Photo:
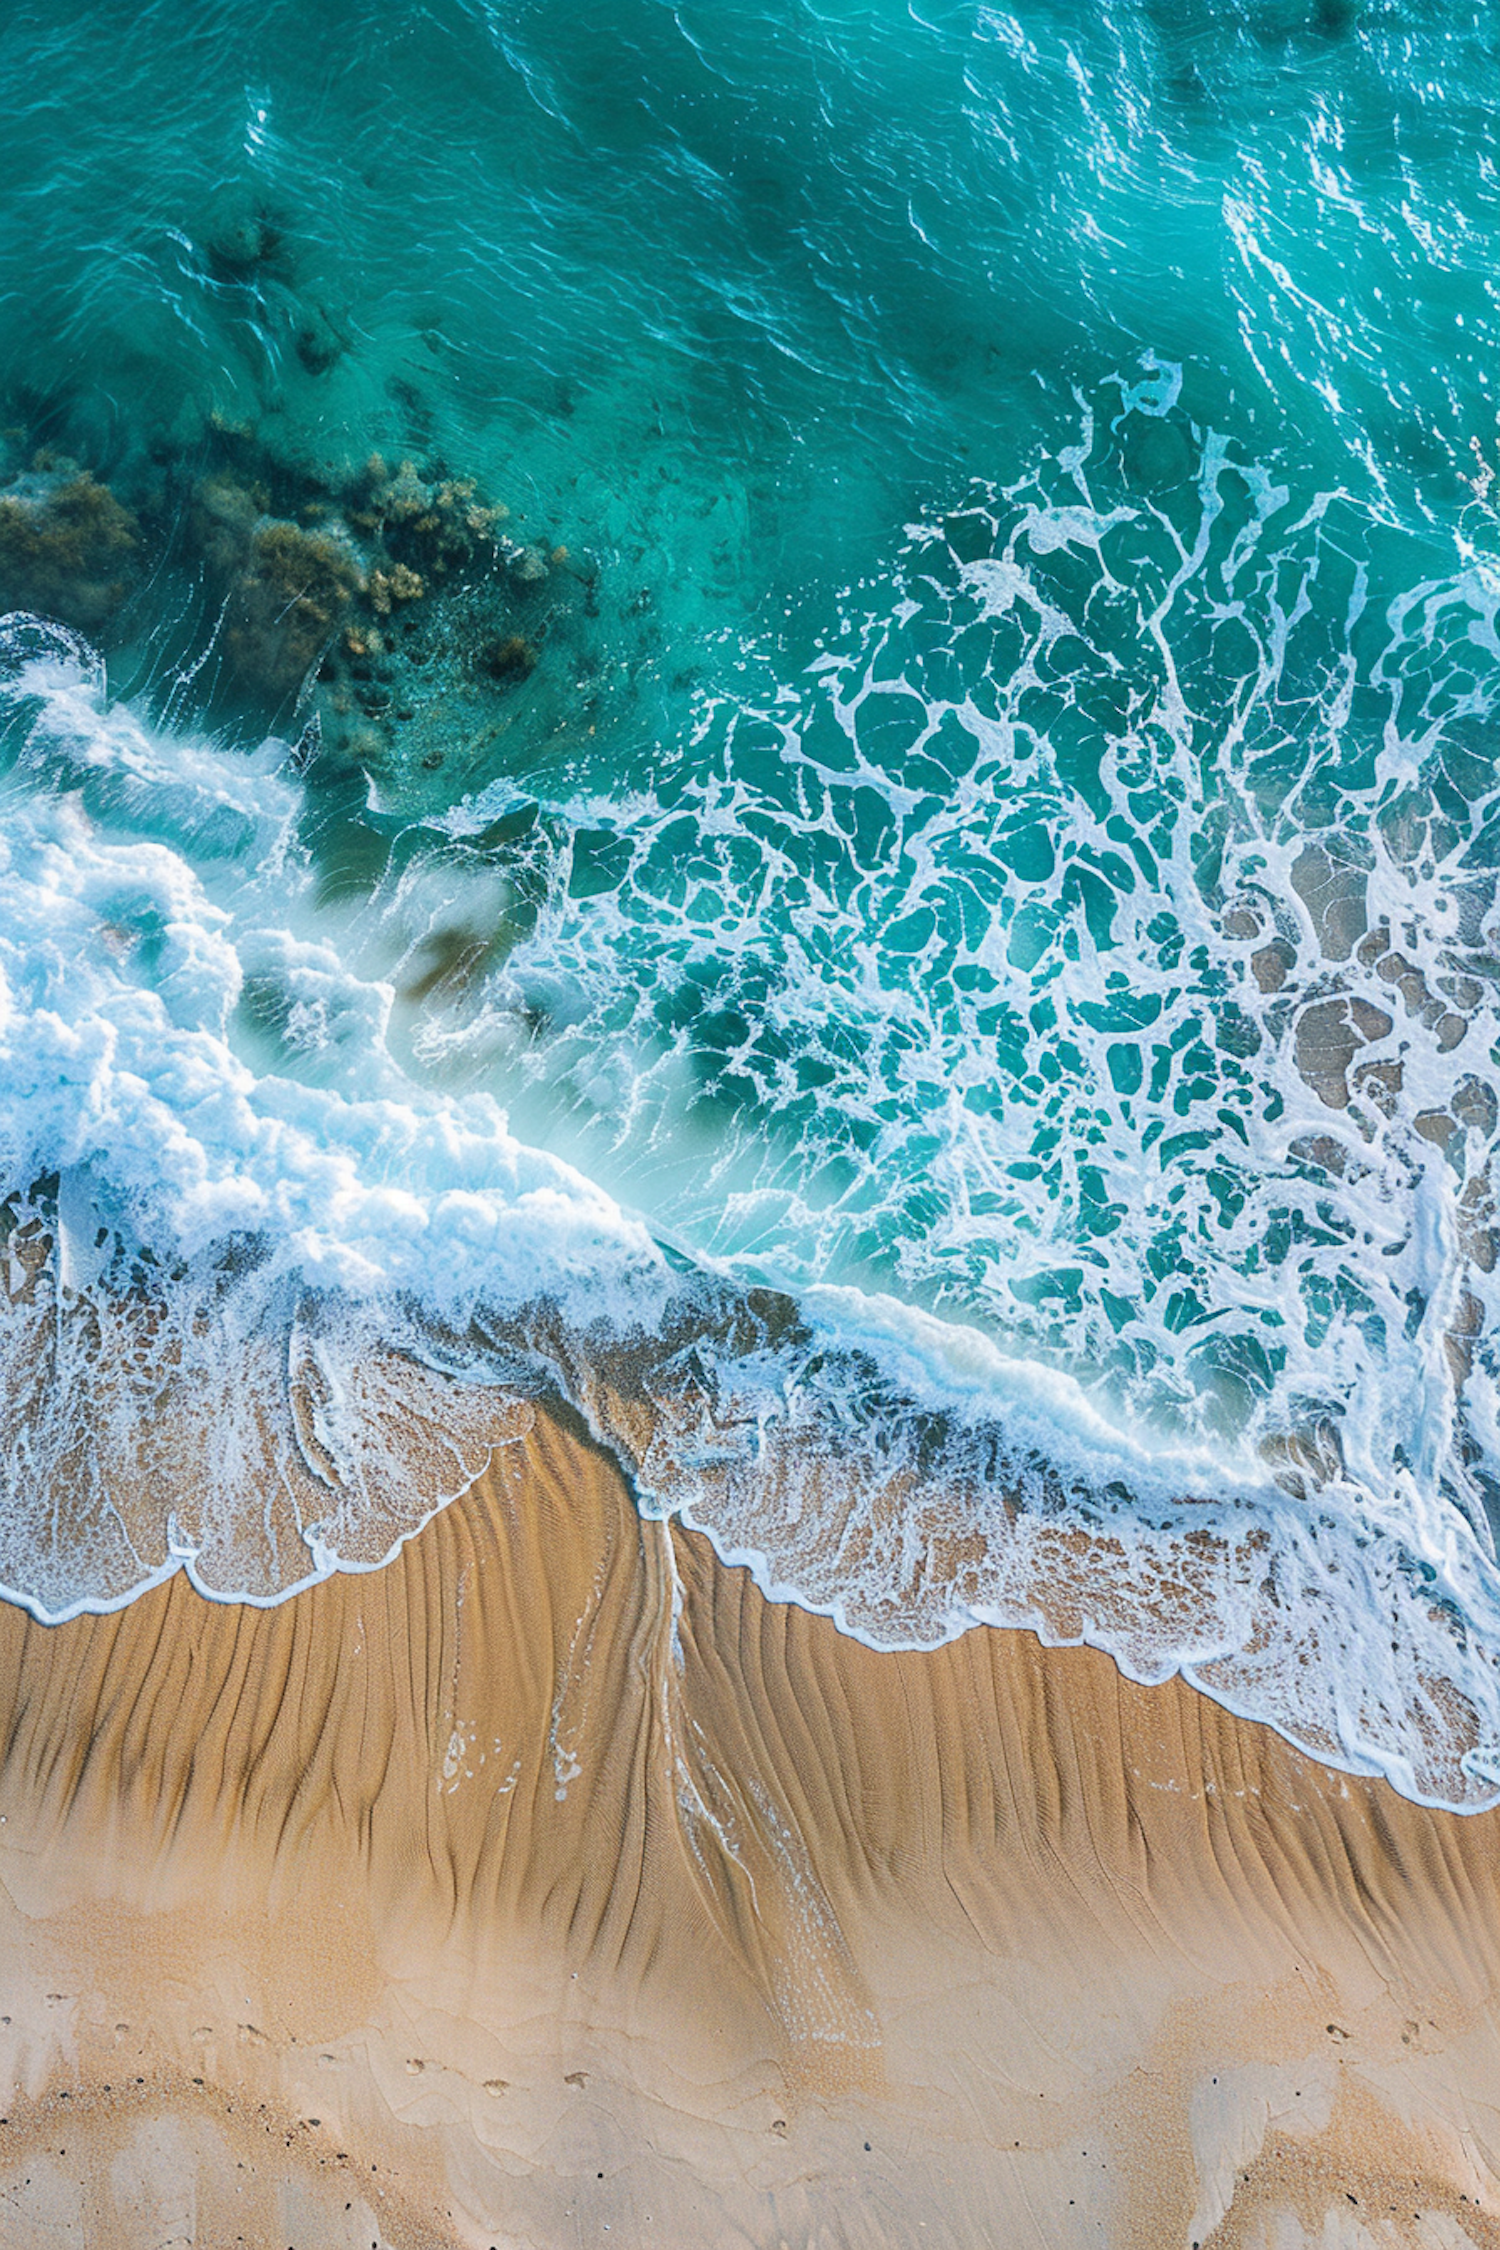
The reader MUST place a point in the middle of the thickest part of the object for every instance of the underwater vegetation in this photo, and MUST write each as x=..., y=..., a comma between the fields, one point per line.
x=68, y=548
x=285, y=589
x=327, y=593
x=390, y=602
x=308, y=575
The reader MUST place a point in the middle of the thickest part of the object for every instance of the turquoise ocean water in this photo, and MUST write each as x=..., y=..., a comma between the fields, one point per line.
x=784, y=717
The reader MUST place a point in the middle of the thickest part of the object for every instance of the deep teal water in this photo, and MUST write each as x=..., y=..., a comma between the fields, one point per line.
x=966, y=775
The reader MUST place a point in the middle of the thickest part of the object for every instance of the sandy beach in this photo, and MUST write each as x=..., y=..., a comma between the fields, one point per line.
x=750, y=1051
x=550, y=1886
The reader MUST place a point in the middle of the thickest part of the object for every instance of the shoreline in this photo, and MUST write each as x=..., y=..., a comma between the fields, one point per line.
x=1325, y=1589
x=567, y=1883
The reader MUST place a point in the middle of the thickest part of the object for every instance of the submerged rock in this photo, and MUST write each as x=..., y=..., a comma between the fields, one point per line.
x=239, y=237
x=509, y=657
x=288, y=600
x=392, y=586
x=318, y=343
x=433, y=528
x=398, y=584
x=68, y=549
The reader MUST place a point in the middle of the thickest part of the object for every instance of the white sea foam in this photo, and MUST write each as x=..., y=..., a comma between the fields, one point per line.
x=1143, y=1016
x=205, y=1262
x=123, y=963
x=266, y=1210
x=1374, y=1646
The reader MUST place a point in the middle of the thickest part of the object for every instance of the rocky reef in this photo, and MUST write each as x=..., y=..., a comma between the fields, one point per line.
x=391, y=601
x=445, y=623
x=68, y=548
x=241, y=554
x=286, y=589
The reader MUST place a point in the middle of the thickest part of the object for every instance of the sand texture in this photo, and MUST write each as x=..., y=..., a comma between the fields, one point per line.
x=552, y=1887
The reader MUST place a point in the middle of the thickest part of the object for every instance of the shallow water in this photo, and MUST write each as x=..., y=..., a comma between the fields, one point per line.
x=843, y=653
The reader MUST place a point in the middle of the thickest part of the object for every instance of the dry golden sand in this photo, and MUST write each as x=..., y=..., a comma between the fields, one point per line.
x=551, y=1887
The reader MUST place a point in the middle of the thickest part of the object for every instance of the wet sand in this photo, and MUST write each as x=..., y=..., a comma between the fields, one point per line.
x=551, y=1887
